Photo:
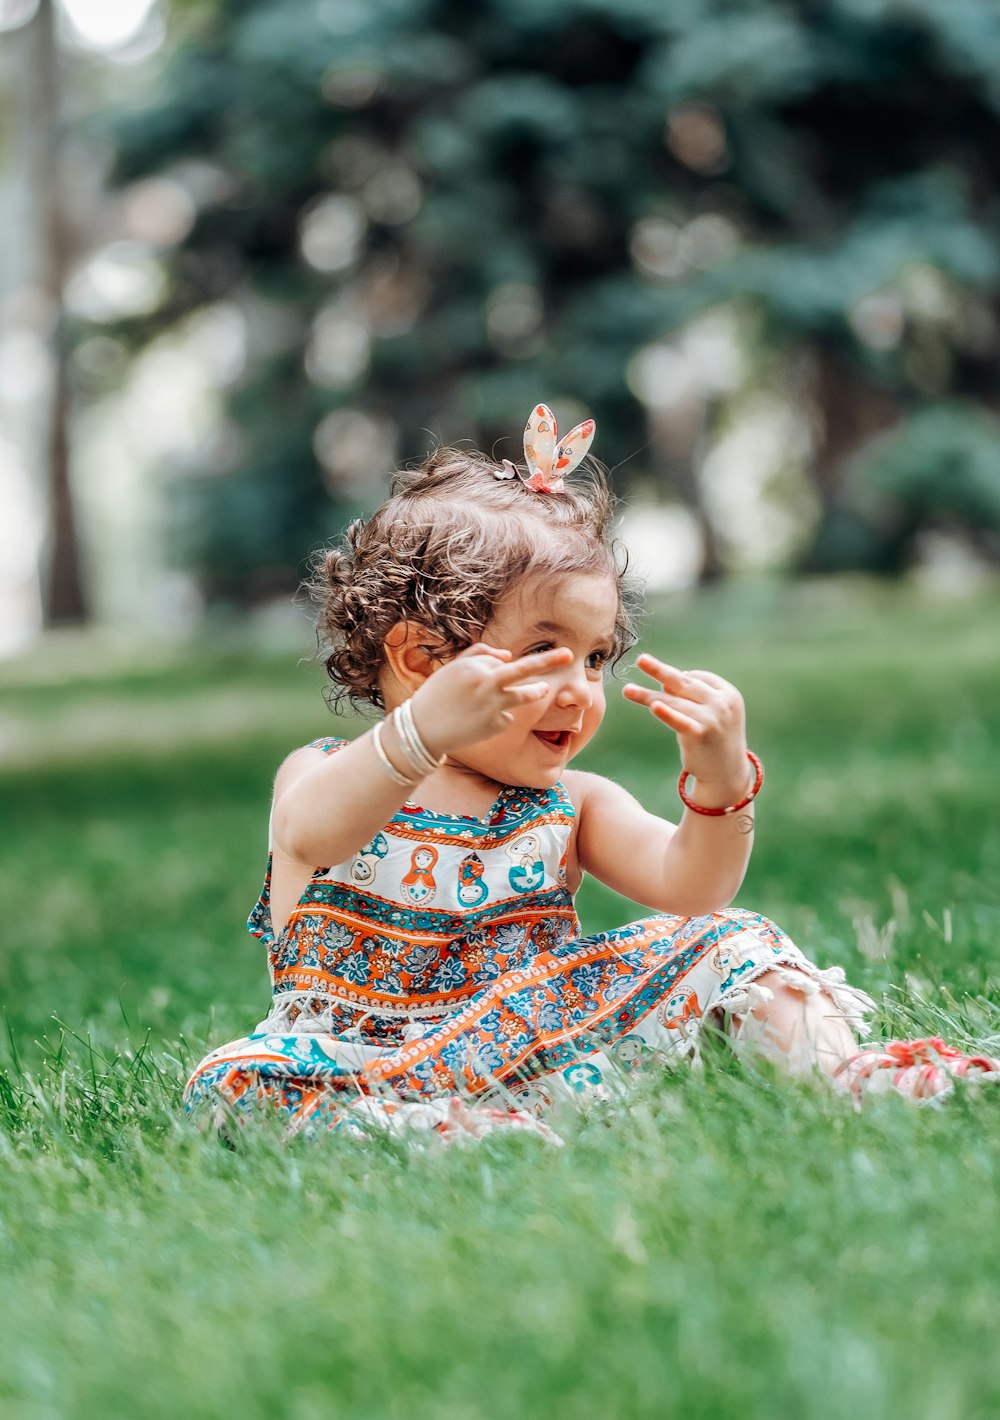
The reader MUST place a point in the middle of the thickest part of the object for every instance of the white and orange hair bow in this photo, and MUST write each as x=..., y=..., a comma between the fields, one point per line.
x=549, y=461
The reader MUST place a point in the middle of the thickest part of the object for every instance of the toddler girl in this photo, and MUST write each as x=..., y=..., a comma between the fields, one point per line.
x=426, y=960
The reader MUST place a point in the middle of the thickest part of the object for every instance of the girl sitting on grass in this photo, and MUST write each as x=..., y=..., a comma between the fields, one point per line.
x=426, y=960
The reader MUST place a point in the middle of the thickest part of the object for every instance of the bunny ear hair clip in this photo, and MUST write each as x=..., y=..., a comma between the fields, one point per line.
x=549, y=459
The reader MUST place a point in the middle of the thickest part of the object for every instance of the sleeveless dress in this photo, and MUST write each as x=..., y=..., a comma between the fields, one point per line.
x=443, y=965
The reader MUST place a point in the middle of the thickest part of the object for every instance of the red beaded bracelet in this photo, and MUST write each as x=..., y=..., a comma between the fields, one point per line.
x=731, y=808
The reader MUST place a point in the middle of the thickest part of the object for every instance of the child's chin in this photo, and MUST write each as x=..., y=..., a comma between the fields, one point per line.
x=541, y=778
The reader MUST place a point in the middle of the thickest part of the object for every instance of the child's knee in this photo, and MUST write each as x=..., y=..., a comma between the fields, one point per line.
x=790, y=996
x=794, y=1021
x=786, y=990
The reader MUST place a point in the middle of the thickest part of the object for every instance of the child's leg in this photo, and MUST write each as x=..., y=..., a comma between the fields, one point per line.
x=799, y=1027
x=645, y=987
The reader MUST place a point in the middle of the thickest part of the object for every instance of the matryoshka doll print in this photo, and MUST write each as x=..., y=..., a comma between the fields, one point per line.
x=729, y=961
x=367, y=860
x=679, y=1007
x=629, y=1051
x=583, y=1076
x=418, y=886
x=471, y=889
x=528, y=872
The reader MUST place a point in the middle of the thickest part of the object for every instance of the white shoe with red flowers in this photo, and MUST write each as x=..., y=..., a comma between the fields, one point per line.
x=923, y=1071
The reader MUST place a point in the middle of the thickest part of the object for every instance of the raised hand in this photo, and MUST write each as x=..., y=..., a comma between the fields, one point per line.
x=474, y=696
x=707, y=715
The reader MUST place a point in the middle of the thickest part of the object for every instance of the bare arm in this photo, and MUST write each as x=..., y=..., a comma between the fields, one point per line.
x=688, y=869
x=327, y=806
x=698, y=866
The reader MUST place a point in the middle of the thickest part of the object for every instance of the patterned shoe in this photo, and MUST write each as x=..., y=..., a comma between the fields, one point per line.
x=921, y=1070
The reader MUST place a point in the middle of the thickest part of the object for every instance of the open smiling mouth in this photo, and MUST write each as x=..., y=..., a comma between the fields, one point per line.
x=558, y=739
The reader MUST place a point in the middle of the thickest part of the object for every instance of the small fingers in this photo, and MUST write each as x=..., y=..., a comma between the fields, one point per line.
x=483, y=648
x=686, y=684
x=656, y=702
x=644, y=695
x=676, y=719
x=541, y=661
x=710, y=678
x=641, y=694
x=524, y=694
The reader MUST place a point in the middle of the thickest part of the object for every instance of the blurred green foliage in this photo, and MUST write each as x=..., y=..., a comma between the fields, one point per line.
x=939, y=467
x=433, y=213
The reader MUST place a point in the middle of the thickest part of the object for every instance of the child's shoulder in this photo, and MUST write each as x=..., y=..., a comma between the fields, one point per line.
x=585, y=788
x=299, y=759
x=596, y=794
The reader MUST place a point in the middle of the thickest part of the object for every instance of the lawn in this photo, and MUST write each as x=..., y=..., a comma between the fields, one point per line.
x=722, y=1244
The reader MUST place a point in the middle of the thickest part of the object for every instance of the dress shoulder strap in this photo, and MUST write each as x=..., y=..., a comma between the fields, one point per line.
x=560, y=796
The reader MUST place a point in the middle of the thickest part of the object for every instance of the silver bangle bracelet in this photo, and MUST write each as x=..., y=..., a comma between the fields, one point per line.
x=385, y=761
x=406, y=744
x=409, y=736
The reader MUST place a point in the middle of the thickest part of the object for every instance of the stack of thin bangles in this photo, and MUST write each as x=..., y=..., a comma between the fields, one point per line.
x=413, y=747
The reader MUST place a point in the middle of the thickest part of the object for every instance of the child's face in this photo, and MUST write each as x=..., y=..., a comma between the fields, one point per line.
x=580, y=613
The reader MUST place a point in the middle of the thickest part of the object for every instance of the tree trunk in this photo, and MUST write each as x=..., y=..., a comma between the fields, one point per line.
x=64, y=599
x=711, y=564
x=848, y=413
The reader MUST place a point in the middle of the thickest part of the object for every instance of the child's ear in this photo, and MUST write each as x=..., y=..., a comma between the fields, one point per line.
x=412, y=653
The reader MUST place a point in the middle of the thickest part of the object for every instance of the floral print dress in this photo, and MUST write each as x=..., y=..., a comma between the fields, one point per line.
x=443, y=964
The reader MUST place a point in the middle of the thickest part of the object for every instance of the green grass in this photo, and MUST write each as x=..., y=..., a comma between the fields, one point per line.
x=729, y=1245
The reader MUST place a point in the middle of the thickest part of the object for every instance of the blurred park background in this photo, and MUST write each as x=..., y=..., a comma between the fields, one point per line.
x=256, y=253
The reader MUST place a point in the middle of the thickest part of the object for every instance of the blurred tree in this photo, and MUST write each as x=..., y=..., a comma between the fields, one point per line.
x=47, y=232
x=939, y=469
x=434, y=212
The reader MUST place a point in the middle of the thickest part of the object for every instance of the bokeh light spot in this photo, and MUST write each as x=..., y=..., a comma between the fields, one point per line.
x=106, y=24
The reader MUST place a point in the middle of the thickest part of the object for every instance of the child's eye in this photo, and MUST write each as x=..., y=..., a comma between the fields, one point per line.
x=596, y=661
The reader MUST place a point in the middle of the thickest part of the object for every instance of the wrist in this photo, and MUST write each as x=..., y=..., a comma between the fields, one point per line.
x=424, y=721
x=717, y=793
x=411, y=743
x=389, y=751
x=719, y=797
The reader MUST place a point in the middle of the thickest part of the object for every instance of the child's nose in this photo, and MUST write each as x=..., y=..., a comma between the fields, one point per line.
x=574, y=689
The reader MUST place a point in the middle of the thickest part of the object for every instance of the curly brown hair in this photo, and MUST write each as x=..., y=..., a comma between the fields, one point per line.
x=443, y=550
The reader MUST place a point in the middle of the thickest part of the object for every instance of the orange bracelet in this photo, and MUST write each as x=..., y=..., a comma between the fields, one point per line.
x=731, y=808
